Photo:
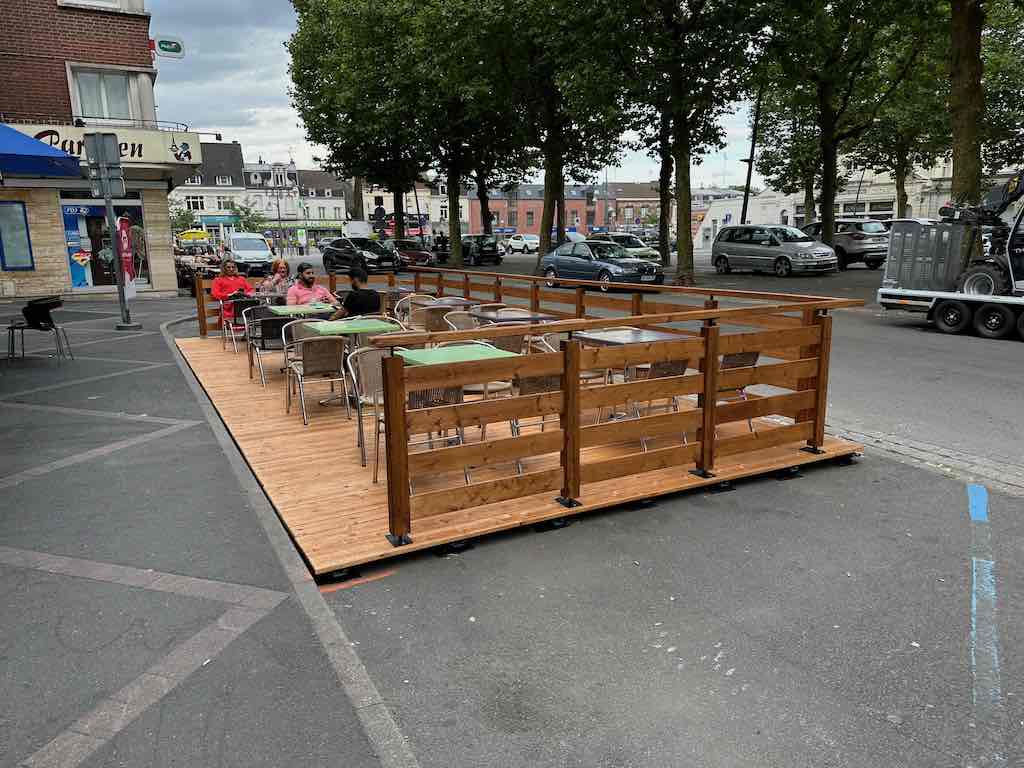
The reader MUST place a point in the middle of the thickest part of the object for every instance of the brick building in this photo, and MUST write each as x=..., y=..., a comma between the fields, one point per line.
x=68, y=67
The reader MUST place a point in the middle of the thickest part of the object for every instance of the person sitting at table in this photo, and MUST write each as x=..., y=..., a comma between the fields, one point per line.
x=277, y=282
x=360, y=300
x=305, y=290
x=229, y=283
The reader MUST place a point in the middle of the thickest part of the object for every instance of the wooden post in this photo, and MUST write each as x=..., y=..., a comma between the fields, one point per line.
x=204, y=327
x=465, y=285
x=535, y=297
x=708, y=400
x=396, y=442
x=392, y=280
x=710, y=303
x=417, y=281
x=497, y=289
x=638, y=304
x=817, y=441
x=581, y=298
x=440, y=284
x=332, y=282
x=809, y=318
x=570, y=423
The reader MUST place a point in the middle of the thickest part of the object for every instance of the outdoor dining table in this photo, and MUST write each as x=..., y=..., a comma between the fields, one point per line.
x=446, y=301
x=504, y=316
x=455, y=353
x=352, y=326
x=301, y=310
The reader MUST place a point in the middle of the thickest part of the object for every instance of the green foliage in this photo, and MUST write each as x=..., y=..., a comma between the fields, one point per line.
x=181, y=217
x=788, y=151
x=1003, y=79
x=249, y=219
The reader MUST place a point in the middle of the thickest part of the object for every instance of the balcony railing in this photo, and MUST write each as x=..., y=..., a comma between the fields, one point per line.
x=84, y=121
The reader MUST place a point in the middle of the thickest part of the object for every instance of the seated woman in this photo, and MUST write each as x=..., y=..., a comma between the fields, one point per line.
x=229, y=283
x=277, y=282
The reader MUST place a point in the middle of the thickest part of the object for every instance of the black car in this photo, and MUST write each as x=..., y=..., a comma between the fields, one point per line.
x=479, y=249
x=344, y=253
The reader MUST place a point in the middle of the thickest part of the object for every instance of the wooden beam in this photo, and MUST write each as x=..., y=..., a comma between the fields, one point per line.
x=419, y=377
x=821, y=385
x=708, y=401
x=570, y=422
x=535, y=297
x=484, y=454
x=396, y=443
x=638, y=463
x=622, y=430
x=765, y=438
x=475, y=495
x=785, y=375
x=580, y=301
x=784, y=405
x=645, y=352
x=761, y=341
x=641, y=391
x=476, y=413
x=637, y=307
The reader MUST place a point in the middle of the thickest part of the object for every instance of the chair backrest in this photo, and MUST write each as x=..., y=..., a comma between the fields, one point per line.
x=739, y=360
x=491, y=307
x=665, y=368
x=515, y=311
x=535, y=385
x=366, y=369
x=322, y=355
x=431, y=398
x=512, y=343
x=289, y=330
x=458, y=320
x=38, y=316
x=433, y=318
x=412, y=314
x=551, y=342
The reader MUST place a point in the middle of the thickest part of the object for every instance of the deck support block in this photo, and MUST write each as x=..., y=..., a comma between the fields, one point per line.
x=723, y=487
x=812, y=449
x=398, y=541
x=567, y=502
x=788, y=473
x=848, y=459
x=702, y=473
x=453, y=547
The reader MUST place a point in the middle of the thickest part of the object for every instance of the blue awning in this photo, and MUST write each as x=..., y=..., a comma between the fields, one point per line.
x=21, y=155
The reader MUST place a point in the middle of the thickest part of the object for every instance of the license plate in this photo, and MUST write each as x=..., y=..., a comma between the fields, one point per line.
x=647, y=278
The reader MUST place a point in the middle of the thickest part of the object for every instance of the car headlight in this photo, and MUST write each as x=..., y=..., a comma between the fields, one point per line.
x=368, y=255
x=616, y=268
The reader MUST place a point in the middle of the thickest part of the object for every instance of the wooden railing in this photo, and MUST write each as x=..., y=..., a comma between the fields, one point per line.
x=582, y=448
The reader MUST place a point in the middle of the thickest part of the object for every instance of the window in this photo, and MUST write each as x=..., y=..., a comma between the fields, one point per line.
x=529, y=218
x=800, y=210
x=195, y=203
x=444, y=212
x=15, y=246
x=337, y=212
x=590, y=218
x=223, y=203
x=328, y=193
x=513, y=217
x=103, y=94
x=442, y=190
x=321, y=212
x=257, y=180
x=194, y=180
x=223, y=181
x=854, y=207
x=513, y=199
x=884, y=206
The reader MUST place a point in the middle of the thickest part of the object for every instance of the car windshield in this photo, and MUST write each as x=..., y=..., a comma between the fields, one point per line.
x=872, y=227
x=608, y=251
x=628, y=241
x=366, y=244
x=484, y=240
x=249, y=244
x=791, y=235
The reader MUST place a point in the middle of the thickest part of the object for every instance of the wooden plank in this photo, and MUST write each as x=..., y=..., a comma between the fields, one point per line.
x=638, y=463
x=637, y=307
x=709, y=399
x=418, y=377
x=450, y=499
x=490, y=452
x=821, y=385
x=581, y=310
x=652, y=352
x=622, y=430
x=641, y=391
x=760, y=341
x=535, y=297
x=555, y=297
x=766, y=438
x=784, y=405
x=396, y=443
x=480, y=288
x=204, y=328
x=608, y=302
x=811, y=350
x=497, y=290
x=515, y=291
x=476, y=413
x=570, y=420
x=465, y=285
x=784, y=375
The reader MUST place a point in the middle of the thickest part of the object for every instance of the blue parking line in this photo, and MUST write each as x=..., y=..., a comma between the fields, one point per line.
x=977, y=500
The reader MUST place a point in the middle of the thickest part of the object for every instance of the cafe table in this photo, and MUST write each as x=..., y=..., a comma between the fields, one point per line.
x=454, y=353
x=446, y=301
x=516, y=316
x=301, y=310
x=352, y=326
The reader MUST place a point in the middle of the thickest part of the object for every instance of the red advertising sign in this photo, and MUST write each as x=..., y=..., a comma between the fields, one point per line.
x=124, y=247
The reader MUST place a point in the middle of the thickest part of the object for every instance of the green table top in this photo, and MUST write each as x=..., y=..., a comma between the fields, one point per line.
x=352, y=326
x=301, y=309
x=453, y=354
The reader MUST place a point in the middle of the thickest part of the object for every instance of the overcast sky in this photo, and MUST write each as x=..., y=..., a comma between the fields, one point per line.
x=234, y=80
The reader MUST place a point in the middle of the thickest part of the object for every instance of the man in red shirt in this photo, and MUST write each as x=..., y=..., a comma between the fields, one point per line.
x=306, y=291
x=228, y=283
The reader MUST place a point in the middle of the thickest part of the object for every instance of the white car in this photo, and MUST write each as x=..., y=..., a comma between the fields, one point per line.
x=523, y=244
x=634, y=246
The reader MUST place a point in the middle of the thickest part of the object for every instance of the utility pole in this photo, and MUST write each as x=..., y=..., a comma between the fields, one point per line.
x=106, y=177
x=750, y=158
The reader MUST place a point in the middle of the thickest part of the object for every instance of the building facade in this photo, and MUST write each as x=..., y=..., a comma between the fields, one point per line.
x=322, y=197
x=212, y=192
x=272, y=189
x=71, y=67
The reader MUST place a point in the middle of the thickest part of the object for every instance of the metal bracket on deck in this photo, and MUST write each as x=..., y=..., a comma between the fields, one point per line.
x=702, y=473
x=398, y=541
x=812, y=449
x=568, y=503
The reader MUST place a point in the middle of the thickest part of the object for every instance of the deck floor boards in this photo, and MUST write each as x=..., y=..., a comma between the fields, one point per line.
x=338, y=517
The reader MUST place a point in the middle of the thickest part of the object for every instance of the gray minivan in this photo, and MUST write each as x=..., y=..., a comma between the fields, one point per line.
x=770, y=248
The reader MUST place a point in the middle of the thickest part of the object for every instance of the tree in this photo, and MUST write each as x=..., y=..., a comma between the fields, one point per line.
x=249, y=219
x=853, y=55
x=1003, y=126
x=181, y=217
x=358, y=90
x=789, y=153
x=966, y=97
x=911, y=129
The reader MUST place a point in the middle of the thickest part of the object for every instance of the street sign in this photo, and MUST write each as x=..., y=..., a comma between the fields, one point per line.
x=169, y=47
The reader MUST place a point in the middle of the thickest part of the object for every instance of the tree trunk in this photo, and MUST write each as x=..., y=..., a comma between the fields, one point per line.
x=684, y=233
x=665, y=190
x=485, y=203
x=966, y=98
x=454, y=182
x=356, y=209
x=809, y=199
x=398, y=203
x=830, y=166
x=900, y=177
x=560, y=211
x=552, y=177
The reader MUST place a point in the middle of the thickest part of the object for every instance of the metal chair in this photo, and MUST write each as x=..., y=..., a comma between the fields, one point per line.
x=234, y=328
x=411, y=315
x=533, y=385
x=365, y=368
x=36, y=317
x=491, y=307
x=737, y=360
x=434, y=318
x=458, y=320
x=661, y=370
x=316, y=357
x=262, y=334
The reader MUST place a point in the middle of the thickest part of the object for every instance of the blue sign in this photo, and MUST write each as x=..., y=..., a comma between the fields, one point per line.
x=73, y=240
x=599, y=229
x=230, y=218
x=504, y=230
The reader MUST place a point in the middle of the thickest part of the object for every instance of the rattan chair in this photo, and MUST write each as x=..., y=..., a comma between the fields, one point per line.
x=533, y=385
x=365, y=368
x=262, y=334
x=411, y=315
x=461, y=321
x=729, y=362
x=318, y=358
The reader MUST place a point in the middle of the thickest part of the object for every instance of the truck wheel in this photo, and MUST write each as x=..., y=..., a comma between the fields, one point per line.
x=952, y=316
x=982, y=280
x=994, y=321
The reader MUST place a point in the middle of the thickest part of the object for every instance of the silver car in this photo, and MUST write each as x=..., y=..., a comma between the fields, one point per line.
x=770, y=248
x=856, y=240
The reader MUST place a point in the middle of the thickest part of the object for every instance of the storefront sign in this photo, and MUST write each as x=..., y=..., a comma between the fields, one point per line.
x=169, y=47
x=137, y=147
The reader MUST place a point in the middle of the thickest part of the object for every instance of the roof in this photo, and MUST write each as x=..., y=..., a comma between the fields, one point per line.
x=321, y=180
x=222, y=159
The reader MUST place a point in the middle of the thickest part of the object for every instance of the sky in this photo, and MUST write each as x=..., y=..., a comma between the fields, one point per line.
x=234, y=81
